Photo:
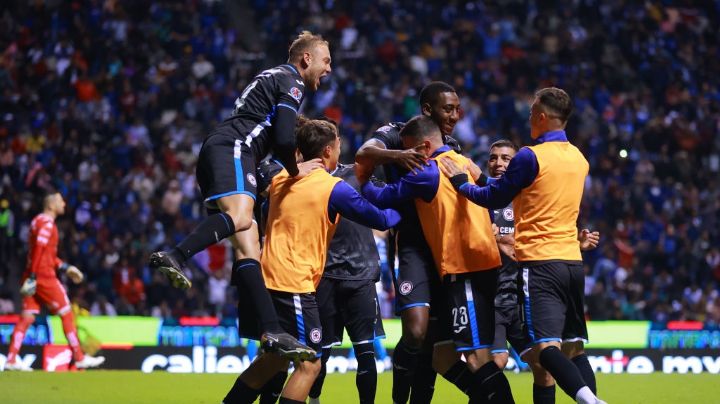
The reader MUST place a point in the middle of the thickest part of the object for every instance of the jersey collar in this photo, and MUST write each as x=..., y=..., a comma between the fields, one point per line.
x=440, y=150
x=552, y=136
x=293, y=68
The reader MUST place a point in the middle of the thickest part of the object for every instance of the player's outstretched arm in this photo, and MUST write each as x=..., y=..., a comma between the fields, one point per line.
x=421, y=184
x=351, y=205
x=373, y=152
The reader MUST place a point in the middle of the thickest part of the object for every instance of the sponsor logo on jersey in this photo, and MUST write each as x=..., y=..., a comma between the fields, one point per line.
x=315, y=335
x=296, y=93
x=508, y=214
x=251, y=179
x=405, y=288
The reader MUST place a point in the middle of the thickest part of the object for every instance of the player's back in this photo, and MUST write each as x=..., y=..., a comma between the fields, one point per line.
x=298, y=231
x=42, y=252
x=256, y=108
x=352, y=253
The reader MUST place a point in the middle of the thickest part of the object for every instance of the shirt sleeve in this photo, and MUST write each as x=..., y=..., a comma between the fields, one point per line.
x=285, y=145
x=349, y=204
x=521, y=172
x=290, y=92
x=390, y=136
x=421, y=184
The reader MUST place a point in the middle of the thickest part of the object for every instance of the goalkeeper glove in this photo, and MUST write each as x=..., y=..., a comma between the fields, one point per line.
x=29, y=286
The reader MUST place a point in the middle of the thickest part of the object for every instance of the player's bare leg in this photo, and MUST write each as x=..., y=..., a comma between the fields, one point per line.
x=236, y=213
x=247, y=276
x=302, y=379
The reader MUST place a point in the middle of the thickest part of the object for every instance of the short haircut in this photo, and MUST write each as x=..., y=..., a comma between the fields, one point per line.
x=312, y=137
x=421, y=127
x=431, y=92
x=305, y=42
x=504, y=143
x=49, y=196
x=556, y=101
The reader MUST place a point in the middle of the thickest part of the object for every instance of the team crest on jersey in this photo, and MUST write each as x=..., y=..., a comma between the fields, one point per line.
x=251, y=179
x=508, y=215
x=315, y=335
x=405, y=288
x=295, y=93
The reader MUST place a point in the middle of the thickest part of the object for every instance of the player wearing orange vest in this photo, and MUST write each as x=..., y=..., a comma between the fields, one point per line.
x=303, y=214
x=545, y=184
x=463, y=246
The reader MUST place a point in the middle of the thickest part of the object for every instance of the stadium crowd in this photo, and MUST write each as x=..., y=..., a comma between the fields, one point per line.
x=109, y=102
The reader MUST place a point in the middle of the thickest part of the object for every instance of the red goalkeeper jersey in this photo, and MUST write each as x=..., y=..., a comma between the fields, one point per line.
x=42, y=256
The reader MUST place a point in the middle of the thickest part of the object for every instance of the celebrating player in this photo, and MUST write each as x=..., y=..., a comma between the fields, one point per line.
x=508, y=316
x=416, y=281
x=42, y=287
x=303, y=215
x=545, y=183
x=463, y=247
x=264, y=118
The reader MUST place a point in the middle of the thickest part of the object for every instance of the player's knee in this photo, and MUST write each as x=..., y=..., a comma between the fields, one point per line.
x=311, y=368
x=541, y=377
x=241, y=220
x=444, y=357
x=28, y=318
x=501, y=360
x=573, y=349
x=477, y=359
x=415, y=335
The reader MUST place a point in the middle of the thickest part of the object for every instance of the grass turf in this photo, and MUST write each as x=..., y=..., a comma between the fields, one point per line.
x=136, y=387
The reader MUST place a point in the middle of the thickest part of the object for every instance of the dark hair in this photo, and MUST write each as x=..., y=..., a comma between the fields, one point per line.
x=504, y=143
x=556, y=101
x=313, y=135
x=305, y=42
x=420, y=127
x=431, y=92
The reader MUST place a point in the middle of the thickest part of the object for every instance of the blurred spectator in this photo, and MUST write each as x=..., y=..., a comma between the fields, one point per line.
x=110, y=101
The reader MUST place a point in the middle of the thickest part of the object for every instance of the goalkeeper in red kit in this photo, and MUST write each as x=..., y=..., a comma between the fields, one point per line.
x=42, y=287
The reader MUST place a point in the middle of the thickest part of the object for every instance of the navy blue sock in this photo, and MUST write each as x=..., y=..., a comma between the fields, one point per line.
x=565, y=372
x=366, y=379
x=248, y=277
x=210, y=231
x=273, y=388
x=241, y=393
x=490, y=386
x=583, y=365
x=404, y=362
x=460, y=376
x=423, y=383
x=543, y=394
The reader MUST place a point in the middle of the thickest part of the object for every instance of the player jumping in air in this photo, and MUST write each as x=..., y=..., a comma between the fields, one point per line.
x=302, y=217
x=263, y=119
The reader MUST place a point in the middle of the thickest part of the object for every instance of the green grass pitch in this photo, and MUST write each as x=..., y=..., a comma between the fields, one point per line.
x=135, y=387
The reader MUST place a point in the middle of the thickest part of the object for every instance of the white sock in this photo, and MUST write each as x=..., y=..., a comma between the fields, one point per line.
x=585, y=396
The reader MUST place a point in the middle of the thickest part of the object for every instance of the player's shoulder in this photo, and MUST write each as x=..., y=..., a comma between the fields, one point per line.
x=390, y=128
x=344, y=170
x=42, y=219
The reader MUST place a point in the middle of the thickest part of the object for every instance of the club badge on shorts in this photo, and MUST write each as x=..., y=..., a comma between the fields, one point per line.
x=405, y=288
x=316, y=335
x=251, y=179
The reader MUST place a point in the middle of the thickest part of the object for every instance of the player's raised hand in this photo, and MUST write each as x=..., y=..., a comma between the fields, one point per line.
x=306, y=167
x=411, y=159
x=74, y=274
x=475, y=171
x=588, y=240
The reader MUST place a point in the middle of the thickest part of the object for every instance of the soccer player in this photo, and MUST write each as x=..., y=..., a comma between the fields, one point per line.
x=416, y=281
x=263, y=119
x=42, y=287
x=348, y=299
x=462, y=243
x=508, y=316
x=545, y=183
x=303, y=214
